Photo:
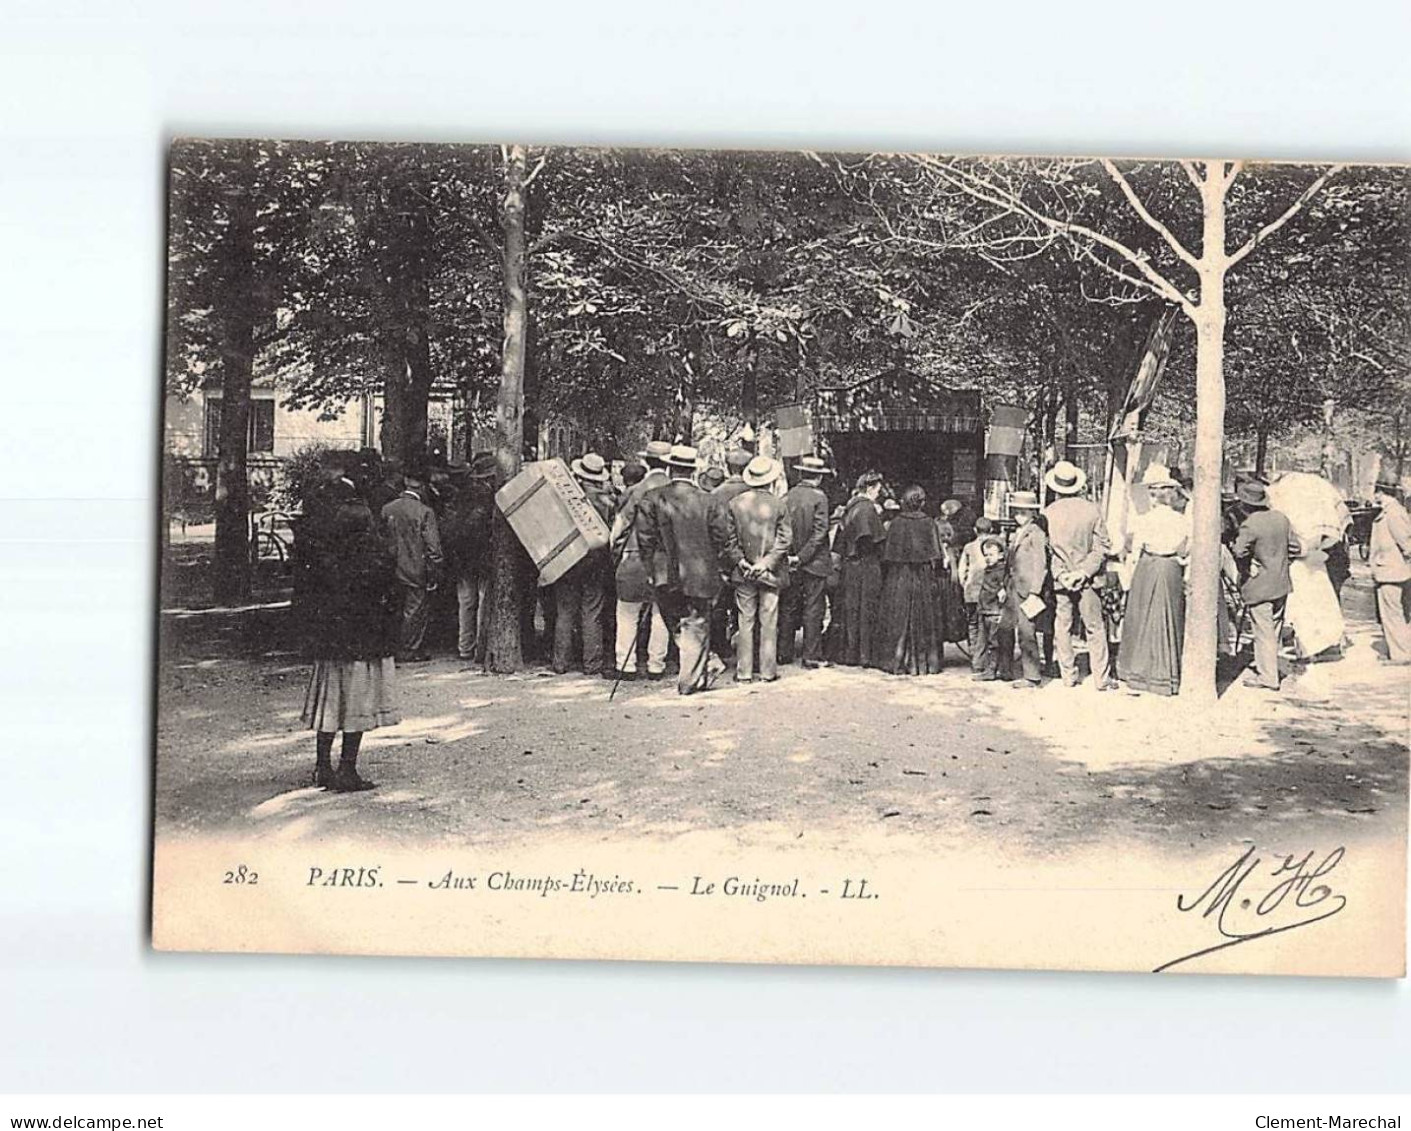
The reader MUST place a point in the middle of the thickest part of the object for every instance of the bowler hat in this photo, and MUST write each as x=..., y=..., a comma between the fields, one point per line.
x=590, y=468
x=1065, y=478
x=760, y=472
x=1253, y=494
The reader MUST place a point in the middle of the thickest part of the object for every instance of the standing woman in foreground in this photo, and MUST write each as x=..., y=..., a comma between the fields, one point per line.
x=911, y=631
x=1149, y=657
x=345, y=609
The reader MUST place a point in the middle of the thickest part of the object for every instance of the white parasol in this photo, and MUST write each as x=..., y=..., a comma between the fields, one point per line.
x=1315, y=508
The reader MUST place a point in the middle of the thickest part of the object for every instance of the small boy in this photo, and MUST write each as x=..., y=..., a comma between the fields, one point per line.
x=969, y=572
x=989, y=607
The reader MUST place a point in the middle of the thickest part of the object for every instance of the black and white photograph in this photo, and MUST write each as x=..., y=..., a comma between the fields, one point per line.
x=773, y=556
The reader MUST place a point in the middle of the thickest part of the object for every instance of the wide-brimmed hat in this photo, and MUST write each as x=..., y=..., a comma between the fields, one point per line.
x=1159, y=475
x=1386, y=487
x=1253, y=494
x=812, y=465
x=1066, y=478
x=1024, y=501
x=656, y=451
x=760, y=472
x=890, y=505
x=682, y=455
x=951, y=507
x=591, y=468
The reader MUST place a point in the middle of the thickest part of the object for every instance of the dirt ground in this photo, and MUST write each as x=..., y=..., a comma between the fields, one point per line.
x=824, y=755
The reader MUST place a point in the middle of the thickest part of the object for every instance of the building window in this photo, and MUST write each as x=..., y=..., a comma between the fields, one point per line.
x=260, y=438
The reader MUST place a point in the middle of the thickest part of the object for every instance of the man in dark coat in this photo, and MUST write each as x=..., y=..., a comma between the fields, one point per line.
x=683, y=536
x=723, y=619
x=465, y=538
x=810, y=564
x=758, y=560
x=859, y=545
x=416, y=540
x=634, y=588
x=1026, y=566
x=578, y=594
x=1263, y=546
x=735, y=461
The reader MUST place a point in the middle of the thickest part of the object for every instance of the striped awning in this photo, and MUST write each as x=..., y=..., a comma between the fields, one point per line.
x=898, y=401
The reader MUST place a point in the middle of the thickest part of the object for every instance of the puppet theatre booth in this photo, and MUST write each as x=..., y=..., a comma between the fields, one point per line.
x=909, y=428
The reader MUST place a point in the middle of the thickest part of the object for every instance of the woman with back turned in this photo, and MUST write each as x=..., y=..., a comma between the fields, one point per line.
x=346, y=611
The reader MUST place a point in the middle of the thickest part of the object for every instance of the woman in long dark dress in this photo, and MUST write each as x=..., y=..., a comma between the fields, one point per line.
x=346, y=611
x=1153, y=626
x=860, y=542
x=911, y=641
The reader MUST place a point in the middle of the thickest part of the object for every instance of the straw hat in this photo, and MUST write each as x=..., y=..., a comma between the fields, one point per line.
x=682, y=455
x=591, y=468
x=1024, y=500
x=1066, y=478
x=812, y=465
x=656, y=451
x=1159, y=475
x=760, y=472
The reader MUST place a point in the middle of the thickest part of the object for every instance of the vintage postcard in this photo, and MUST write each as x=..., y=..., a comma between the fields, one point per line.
x=803, y=557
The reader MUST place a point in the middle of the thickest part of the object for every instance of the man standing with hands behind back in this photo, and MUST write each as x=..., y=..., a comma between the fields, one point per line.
x=1078, y=542
x=416, y=539
x=810, y=564
x=1263, y=547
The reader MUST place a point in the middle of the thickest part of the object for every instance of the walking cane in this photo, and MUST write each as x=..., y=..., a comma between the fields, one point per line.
x=632, y=651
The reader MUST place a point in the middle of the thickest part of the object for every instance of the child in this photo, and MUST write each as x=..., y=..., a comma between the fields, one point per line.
x=969, y=573
x=989, y=607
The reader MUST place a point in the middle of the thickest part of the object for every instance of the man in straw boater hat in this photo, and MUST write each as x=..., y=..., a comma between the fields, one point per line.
x=1026, y=567
x=759, y=560
x=578, y=594
x=1390, y=557
x=684, y=535
x=810, y=564
x=1079, y=546
x=1263, y=547
x=635, y=602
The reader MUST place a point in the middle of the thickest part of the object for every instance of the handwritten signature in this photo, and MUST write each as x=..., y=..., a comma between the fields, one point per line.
x=1297, y=898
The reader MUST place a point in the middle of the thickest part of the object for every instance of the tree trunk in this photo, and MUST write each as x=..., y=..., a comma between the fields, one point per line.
x=231, y=568
x=1199, y=652
x=408, y=387
x=749, y=391
x=1261, y=450
x=503, y=651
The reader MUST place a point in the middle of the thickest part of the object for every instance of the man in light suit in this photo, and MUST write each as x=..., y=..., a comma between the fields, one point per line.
x=1263, y=546
x=1390, y=557
x=1078, y=542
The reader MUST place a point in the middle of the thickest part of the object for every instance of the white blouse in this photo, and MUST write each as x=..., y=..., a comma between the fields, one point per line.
x=1163, y=531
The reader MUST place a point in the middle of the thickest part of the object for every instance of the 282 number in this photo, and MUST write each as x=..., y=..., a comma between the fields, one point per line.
x=241, y=875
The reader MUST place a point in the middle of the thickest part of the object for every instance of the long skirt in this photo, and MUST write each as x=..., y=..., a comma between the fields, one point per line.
x=1313, y=608
x=950, y=604
x=1149, y=658
x=910, y=631
x=351, y=695
x=861, y=592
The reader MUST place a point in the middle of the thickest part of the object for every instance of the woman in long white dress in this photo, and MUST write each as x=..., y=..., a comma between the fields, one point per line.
x=1313, y=611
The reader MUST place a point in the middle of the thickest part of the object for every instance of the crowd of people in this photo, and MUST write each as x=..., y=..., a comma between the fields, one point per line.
x=736, y=566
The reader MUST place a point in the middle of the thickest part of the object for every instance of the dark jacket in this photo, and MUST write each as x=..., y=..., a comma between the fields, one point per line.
x=808, y=519
x=862, y=533
x=416, y=540
x=633, y=584
x=465, y=530
x=992, y=580
x=1266, y=541
x=345, y=604
x=762, y=537
x=683, y=536
x=732, y=487
x=1027, y=561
